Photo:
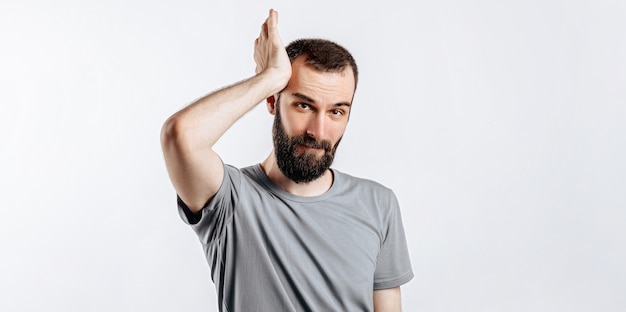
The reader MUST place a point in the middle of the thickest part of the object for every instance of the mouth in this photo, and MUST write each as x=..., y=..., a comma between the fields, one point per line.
x=309, y=148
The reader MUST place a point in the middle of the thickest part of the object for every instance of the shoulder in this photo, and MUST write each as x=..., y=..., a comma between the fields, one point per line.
x=363, y=186
x=249, y=179
x=234, y=179
x=373, y=199
x=245, y=173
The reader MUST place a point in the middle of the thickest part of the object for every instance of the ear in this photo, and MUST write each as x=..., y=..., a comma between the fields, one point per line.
x=271, y=104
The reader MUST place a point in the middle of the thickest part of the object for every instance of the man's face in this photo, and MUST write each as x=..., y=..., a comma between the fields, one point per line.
x=311, y=117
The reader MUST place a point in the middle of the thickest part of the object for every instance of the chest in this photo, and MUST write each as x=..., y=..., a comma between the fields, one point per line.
x=326, y=241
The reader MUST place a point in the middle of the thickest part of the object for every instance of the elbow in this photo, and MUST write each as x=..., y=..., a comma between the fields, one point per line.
x=172, y=132
x=180, y=133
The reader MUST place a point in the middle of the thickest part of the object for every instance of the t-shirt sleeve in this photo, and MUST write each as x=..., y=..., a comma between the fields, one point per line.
x=210, y=222
x=393, y=267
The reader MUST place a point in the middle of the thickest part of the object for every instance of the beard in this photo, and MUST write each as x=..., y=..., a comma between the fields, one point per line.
x=304, y=167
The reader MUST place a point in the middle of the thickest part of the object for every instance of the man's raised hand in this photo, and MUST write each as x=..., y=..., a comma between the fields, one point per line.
x=269, y=53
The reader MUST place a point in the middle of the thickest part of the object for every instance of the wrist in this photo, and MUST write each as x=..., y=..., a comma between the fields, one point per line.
x=275, y=79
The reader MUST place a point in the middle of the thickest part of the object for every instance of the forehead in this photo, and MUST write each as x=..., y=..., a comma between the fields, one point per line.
x=321, y=86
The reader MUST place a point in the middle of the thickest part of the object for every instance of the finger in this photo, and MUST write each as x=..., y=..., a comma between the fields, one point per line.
x=272, y=20
x=264, y=27
x=263, y=33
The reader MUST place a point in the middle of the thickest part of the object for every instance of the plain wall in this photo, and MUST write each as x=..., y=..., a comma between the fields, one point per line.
x=499, y=124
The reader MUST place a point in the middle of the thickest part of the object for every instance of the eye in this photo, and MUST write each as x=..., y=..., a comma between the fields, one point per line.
x=303, y=105
x=336, y=112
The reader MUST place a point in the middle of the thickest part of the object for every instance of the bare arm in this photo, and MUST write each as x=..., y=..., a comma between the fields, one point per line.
x=188, y=136
x=387, y=300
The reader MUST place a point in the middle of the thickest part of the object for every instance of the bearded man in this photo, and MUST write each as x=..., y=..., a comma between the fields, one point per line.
x=290, y=233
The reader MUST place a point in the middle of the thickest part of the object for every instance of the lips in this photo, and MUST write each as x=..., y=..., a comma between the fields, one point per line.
x=314, y=146
x=312, y=143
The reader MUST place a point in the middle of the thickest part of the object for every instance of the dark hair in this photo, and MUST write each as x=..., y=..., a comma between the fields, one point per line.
x=323, y=55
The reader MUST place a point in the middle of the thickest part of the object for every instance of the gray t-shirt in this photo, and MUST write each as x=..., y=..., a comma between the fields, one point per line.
x=270, y=250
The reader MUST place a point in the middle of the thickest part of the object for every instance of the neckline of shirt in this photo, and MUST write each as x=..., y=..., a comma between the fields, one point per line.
x=258, y=171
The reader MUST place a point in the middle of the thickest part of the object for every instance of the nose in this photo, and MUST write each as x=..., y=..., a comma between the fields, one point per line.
x=315, y=127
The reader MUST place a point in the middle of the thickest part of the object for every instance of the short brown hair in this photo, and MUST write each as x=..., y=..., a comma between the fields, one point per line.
x=323, y=55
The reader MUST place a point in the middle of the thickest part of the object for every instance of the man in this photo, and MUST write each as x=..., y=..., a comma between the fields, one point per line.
x=289, y=234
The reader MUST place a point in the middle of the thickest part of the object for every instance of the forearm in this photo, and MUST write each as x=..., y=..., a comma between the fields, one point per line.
x=387, y=300
x=203, y=122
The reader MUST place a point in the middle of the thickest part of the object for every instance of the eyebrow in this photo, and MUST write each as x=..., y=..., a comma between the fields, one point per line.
x=308, y=99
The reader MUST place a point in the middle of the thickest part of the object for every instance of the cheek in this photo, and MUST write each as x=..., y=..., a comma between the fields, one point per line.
x=336, y=131
x=293, y=123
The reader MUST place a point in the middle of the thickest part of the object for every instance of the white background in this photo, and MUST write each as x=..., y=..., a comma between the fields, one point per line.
x=499, y=124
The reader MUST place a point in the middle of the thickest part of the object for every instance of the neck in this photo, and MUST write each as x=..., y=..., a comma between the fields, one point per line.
x=316, y=187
